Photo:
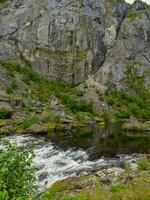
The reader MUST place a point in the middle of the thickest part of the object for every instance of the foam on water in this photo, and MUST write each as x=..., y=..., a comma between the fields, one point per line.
x=56, y=164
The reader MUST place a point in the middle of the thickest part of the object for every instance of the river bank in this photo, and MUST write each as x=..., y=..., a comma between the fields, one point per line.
x=58, y=159
x=128, y=184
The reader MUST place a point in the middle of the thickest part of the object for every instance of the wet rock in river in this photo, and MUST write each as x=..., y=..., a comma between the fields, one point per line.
x=102, y=175
x=115, y=171
x=109, y=175
x=43, y=176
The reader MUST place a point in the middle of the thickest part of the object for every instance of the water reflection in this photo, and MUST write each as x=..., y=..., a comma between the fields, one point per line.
x=108, y=141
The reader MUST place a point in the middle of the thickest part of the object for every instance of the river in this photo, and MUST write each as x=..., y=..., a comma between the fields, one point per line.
x=82, y=151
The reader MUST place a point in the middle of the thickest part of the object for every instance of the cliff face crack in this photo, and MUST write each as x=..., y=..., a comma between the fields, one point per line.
x=121, y=19
x=145, y=56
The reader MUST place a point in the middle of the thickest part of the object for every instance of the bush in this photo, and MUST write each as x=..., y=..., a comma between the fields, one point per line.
x=143, y=164
x=77, y=105
x=13, y=86
x=4, y=113
x=117, y=188
x=29, y=121
x=106, y=117
x=1, y=1
x=17, y=178
x=127, y=105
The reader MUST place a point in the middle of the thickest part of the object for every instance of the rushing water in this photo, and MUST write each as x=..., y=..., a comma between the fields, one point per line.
x=69, y=155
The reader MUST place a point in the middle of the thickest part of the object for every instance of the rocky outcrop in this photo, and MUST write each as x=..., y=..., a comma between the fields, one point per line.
x=134, y=125
x=127, y=64
x=72, y=40
x=63, y=40
x=116, y=182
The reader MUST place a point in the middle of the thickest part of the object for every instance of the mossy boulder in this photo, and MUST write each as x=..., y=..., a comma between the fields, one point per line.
x=72, y=187
x=134, y=125
x=5, y=122
x=6, y=110
x=36, y=129
x=54, y=127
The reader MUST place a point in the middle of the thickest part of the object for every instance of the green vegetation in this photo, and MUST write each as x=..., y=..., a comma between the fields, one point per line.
x=133, y=15
x=2, y=1
x=106, y=117
x=77, y=105
x=126, y=105
x=126, y=188
x=133, y=80
x=123, y=36
x=55, y=54
x=17, y=172
x=12, y=87
x=117, y=188
x=143, y=164
x=4, y=113
x=28, y=75
x=29, y=121
x=42, y=89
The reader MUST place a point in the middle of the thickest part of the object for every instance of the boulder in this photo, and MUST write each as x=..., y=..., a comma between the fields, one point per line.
x=114, y=171
x=134, y=125
x=6, y=110
x=36, y=129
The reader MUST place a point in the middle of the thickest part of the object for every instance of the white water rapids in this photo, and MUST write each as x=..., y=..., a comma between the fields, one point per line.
x=57, y=164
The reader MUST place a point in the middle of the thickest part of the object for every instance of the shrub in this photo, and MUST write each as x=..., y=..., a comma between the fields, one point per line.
x=76, y=105
x=4, y=113
x=29, y=121
x=13, y=86
x=17, y=178
x=126, y=105
x=143, y=164
x=106, y=116
x=1, y=1
x=117, y=188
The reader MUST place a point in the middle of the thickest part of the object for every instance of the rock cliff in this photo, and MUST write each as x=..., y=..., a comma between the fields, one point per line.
x=74, y=39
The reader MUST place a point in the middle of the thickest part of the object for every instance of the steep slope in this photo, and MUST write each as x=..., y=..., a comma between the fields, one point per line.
x=127, y=65
x=100, y=47
x=63, y=40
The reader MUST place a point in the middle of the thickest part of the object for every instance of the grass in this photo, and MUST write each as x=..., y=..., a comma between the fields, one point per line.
x=117, y=188
x=140, y=190
x=2, y=1
x=42, y=89
x=123, y=103
x=76, y=105
x=126, y=105
x=143, y=164
x=4, y=113
x=128, y=186
x=12, y=87
x=29, y=121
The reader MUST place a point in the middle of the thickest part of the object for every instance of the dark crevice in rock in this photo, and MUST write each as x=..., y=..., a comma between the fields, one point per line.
x=146, y=57
x=121, y=15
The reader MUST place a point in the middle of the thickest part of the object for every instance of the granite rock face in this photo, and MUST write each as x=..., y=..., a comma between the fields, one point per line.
x=127, y=64
x=64, y=40
x=75, y=39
